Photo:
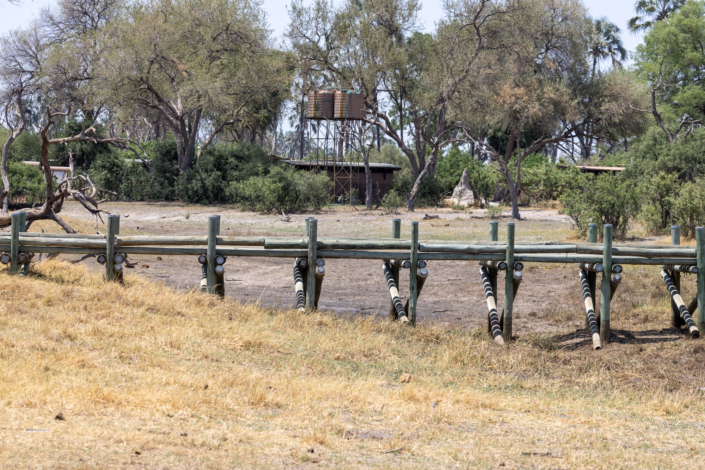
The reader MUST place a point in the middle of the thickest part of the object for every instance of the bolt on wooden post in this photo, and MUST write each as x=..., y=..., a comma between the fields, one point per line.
x=18, y=225
x=112, y=233
x=509, y=286
x=312, y=257
x=213, y=232
x=414, y=258
x=700, y=256
x=676, y=320
x=396, y=233
x=606, y=285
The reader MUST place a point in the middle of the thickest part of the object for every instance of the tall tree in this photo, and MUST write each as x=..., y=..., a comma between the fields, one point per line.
x=672, y=62
x=649, y=12
x=604, y=42
x=200, y=64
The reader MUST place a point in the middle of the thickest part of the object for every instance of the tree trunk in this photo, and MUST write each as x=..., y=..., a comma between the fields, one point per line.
x=430, y=164
x=14, y=133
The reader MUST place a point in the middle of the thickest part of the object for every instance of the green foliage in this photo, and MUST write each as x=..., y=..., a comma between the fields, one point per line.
x=659, y=191
x=546, y=181
x=688, y=207
x=653, y=153
x=162, y=183
x=607, y=199
x=672, y=54
x=391, y=202
x=209, y=181
x=84, y=153
x=284, y=190
x=108, y=171
x=26, y=147
x=483, y=177
x=494, y=212
x=26, y=183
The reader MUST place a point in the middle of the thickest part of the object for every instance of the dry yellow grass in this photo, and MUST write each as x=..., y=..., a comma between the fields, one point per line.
x=145, y=376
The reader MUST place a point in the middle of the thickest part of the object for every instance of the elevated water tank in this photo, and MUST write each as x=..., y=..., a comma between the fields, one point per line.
x=349, y=104
x=320, y=104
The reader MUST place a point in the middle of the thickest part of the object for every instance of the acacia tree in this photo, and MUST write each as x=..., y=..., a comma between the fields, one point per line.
x=410, y=80
x=198, y=63
x=531, y=91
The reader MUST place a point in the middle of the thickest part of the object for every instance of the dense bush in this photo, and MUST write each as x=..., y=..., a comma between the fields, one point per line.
x=108, y=172
x=392, y=202
x=483, y=177
x=26, y=147
x=84, y=153
x=688, y=207
x=607, y=199
x=659, y=192
x=209, y=181
x=26, y=183
x=285, y=190
x=160, y=185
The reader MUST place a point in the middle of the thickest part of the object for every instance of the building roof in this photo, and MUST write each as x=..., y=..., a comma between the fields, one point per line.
x=593, y=169
x=379, y=166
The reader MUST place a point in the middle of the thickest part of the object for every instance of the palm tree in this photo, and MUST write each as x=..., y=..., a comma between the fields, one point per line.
x=605, y=42
x=651, y=11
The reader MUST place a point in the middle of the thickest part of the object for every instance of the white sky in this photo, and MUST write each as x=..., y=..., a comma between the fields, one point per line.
x=618, y=11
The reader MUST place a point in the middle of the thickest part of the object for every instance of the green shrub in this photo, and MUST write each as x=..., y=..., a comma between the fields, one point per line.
x=209, y=181
x=160, y=185
x=688, y=207
x=391, y=202
x=26, y=183
x=26, y=147
x=108, y=171
x=431, y=193
x=284, y=190
x=659, y=192
x=607, y=199
x=494, y=212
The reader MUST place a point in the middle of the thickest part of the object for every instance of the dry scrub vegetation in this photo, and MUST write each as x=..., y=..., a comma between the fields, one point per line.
x=146, y=376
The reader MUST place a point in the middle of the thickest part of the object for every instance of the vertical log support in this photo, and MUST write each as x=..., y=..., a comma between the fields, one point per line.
x=399, y=313
x=495, y=330
x=676, y=320
x=590, y=310
x=18, y=225
x=676, y=297
x=606, y=285
x=213, y=232
x=509, y=286
x=491, y=272
x=396, y=233
x=311, y=271
x=700, y=241
x=592, y=276
x=113, y=231
x=413, y=271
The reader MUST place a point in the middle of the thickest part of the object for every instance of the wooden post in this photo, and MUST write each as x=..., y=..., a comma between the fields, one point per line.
x=420, y=281
x=492, y=272
x=213, y=232
x=592, y=276
x=311, y=269
x=700, y=252
x=112, y=233
x=299, y=287
x=606, y=285
x=320, y=274
x=413, y=270
x=19, y=222
x=396, y=233
x=509, y=286
x=590, y=310
x=676, y=320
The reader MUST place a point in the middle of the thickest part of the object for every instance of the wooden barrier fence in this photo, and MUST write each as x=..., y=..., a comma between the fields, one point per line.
x=309, y=253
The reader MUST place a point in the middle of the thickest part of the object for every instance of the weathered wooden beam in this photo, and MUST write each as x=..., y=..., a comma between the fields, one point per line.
x=413, y=271
x=676, y=320
x=354, y=254
x=63, y=249
x=606, y=286
x=592, y=276
x=76, y=242
x=516, y=277
x=86, y=236
x=557, y=258
x=112, y=232
x=213, y=232
x=262, y=253
x=627, y=251
x=509, y=287
x=464, y=249
x=394, y=266
x=18, y=223
x=312, y=255
x=683, y=310
x=700, y=248
x=460, y=256
x=421, y=277
x=495, y=329
x=590, y=310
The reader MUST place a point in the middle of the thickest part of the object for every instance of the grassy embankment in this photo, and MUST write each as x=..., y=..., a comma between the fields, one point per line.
x=143, y=375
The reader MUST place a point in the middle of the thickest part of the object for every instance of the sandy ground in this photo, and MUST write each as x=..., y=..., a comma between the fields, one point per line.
x=549, y=299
